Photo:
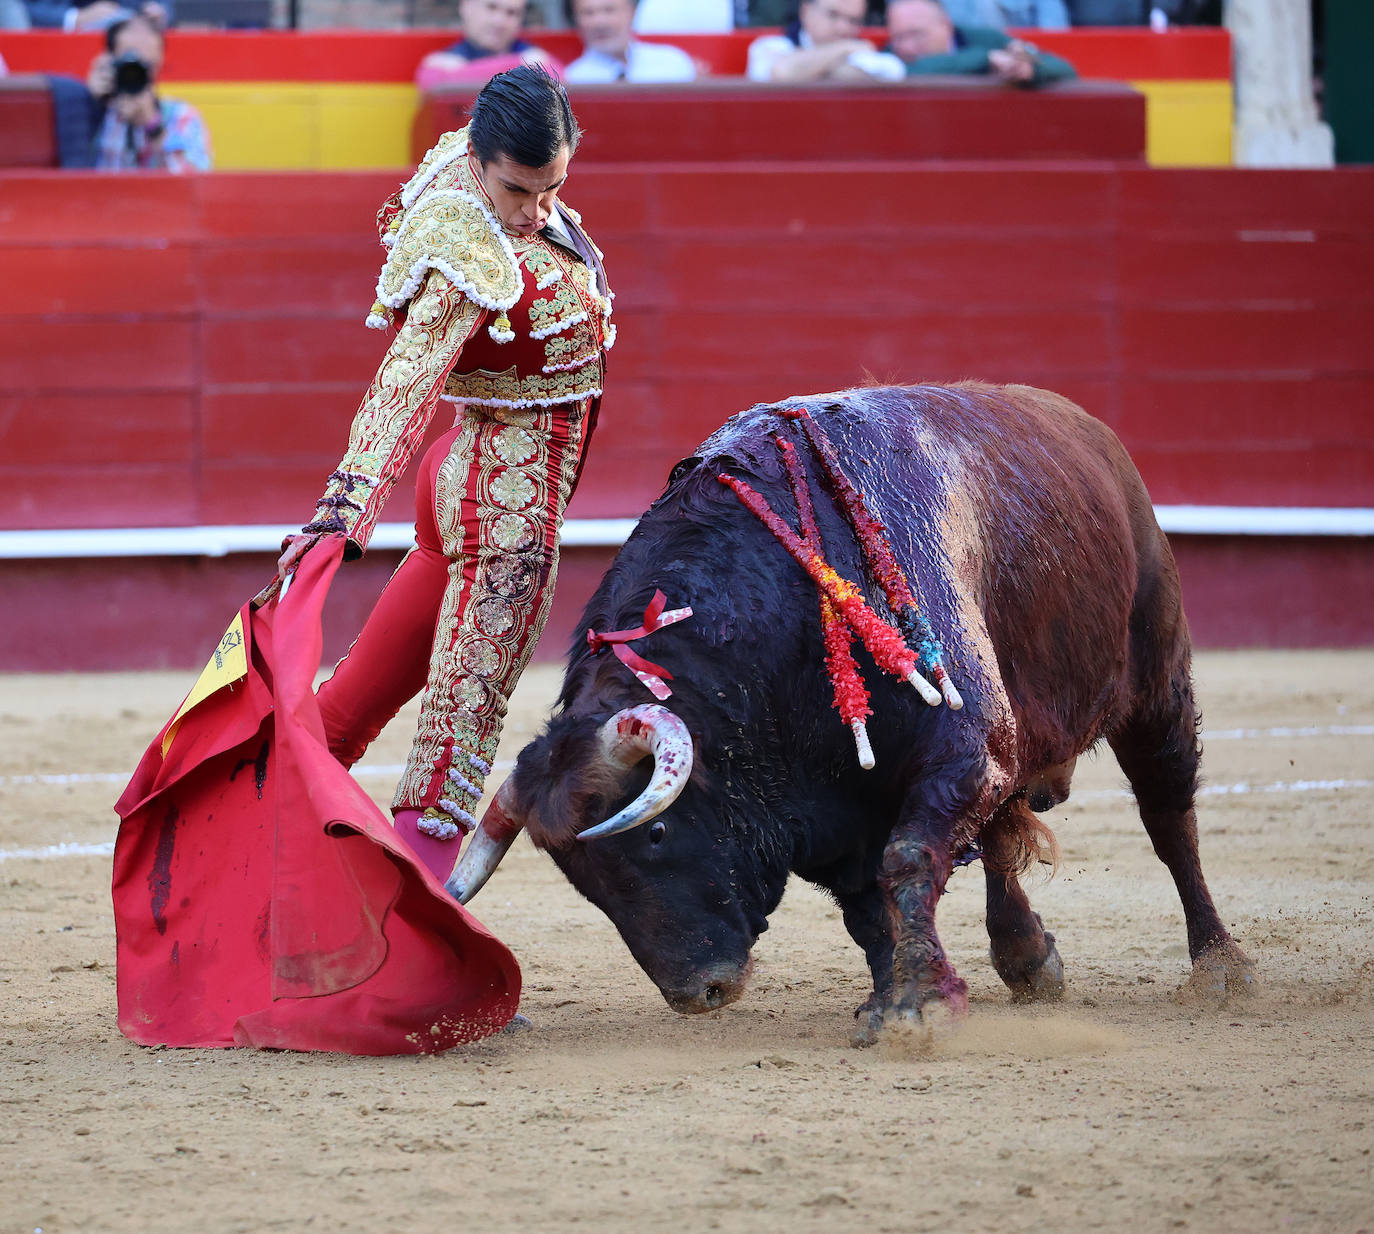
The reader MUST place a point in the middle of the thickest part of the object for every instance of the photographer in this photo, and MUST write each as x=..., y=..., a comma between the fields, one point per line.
x=139, y=130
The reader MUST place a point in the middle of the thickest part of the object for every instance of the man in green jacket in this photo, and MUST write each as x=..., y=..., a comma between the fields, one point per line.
x=921, y=34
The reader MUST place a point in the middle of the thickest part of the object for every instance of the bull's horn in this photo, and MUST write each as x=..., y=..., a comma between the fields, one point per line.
x=626, y=738
x=490, y=842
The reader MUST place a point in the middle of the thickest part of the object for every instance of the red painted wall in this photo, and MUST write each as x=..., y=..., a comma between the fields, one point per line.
x=190, y=350
x=64, y=616
x=737, y=122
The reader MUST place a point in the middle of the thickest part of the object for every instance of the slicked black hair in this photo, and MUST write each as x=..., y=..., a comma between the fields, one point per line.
x=523, y=114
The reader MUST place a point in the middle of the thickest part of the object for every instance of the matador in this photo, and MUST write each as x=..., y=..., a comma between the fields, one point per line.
x=501, y=307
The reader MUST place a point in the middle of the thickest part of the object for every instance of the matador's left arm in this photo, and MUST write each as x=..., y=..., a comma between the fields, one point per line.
x=396, y=411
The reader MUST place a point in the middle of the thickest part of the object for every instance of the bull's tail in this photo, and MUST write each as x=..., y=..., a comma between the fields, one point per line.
x=1014, y=841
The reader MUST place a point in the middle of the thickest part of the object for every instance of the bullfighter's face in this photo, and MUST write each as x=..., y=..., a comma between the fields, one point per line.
x=524, y=197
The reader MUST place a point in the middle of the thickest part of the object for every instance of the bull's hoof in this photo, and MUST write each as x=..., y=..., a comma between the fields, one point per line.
x=1031, y=977
x=1222, y=975
x=1045, y=983
x=868, y=1023
x=922, y=1030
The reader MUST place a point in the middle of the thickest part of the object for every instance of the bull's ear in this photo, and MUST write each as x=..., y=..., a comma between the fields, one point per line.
x=683, y=467
x=562, y=779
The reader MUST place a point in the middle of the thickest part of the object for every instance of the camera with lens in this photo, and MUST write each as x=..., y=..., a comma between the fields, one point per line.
x=131, y=74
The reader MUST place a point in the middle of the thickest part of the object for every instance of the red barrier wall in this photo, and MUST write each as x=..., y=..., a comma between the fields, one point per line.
x=27, y=134
x=183, y=351
x=741, y=122
x=191, y=350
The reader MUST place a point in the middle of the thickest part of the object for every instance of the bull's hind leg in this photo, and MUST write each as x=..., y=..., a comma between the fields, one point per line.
x=1023, y=951
x=1159, y=752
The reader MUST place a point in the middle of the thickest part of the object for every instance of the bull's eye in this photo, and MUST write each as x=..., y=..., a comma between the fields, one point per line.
x=657, y=831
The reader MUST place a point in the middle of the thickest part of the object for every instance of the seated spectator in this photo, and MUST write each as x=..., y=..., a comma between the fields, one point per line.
x=823, y=44
x=491, y=44
x=138, y=129
x=94, y=14
x=922, y=35
x=614, y=54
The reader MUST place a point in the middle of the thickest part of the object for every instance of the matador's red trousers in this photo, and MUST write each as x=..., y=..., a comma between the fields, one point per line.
x=463, y=611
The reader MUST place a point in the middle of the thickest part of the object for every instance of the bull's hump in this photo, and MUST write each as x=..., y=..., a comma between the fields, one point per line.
x=896, y=417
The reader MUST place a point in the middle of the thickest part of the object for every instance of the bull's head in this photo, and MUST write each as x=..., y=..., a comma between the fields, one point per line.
x=667, y=883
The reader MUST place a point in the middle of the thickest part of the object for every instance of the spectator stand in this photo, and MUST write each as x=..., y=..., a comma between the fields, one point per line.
x=332, y=100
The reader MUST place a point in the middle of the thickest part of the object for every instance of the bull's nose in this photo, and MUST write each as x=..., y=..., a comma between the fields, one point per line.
x=718, y=987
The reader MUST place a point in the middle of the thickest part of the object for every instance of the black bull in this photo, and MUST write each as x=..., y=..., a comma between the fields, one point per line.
x=1031, y=543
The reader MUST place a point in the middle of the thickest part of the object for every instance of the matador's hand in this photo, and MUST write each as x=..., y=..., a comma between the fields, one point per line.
x=293, y=549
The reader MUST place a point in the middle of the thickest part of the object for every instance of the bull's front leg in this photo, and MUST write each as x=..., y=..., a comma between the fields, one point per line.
x=866, y=919
x=916, y=865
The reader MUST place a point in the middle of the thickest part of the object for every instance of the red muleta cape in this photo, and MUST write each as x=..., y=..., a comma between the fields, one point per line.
x=260, y=896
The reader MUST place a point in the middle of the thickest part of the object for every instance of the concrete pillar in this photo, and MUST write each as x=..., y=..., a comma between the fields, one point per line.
x=1276, y=118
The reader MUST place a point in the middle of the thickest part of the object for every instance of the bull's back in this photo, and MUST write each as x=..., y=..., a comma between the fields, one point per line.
x=1017, y=509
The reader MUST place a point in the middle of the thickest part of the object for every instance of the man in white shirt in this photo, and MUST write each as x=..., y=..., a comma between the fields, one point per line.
x=823, y=44
x=614, y=54
x=685, y=16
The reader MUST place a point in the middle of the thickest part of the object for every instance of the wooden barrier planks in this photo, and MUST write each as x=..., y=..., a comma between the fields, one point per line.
x=192, y=351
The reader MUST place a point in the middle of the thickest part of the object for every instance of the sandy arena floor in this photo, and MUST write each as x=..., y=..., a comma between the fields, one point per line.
x=1120, y=1109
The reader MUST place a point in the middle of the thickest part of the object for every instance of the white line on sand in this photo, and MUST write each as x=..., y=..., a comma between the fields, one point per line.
x=395, y=769
x=1239, y=789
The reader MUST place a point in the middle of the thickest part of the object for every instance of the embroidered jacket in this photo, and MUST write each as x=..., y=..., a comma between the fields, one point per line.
x=486, y=318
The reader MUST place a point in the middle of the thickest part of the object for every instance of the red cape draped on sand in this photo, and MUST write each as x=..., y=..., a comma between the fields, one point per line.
x=262, y=899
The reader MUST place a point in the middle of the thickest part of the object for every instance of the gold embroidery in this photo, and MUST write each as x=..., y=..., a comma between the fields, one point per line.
x=573, y=350
x=514, y=445
x=512, y=490
x=508, y=387
x=539, y=263
x=395, y=411
x=557, y=311
x=448, y=232
x=484, y=639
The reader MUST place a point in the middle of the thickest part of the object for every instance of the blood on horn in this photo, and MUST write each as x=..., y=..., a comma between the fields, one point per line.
x=490, y=842
x=631, y=735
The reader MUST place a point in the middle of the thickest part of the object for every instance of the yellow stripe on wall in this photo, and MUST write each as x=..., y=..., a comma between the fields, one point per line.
x=1187, y=123
x=293, y=125
x=279, y=126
